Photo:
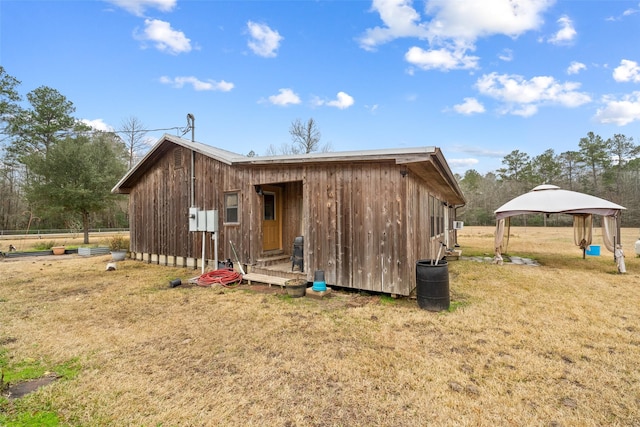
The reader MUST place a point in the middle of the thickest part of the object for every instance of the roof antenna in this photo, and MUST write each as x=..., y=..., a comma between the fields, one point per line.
x=190, y=127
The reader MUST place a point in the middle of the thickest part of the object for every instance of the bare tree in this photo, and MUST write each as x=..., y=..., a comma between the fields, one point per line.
x=305, y=138
x=134, y=134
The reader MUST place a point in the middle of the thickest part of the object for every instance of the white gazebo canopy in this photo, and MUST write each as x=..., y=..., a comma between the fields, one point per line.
x=551, y=199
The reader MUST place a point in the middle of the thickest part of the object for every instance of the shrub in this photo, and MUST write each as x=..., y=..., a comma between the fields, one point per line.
x=119, y=243
x=44, y=246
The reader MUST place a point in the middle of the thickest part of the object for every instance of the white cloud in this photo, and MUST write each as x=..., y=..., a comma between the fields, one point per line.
x=462, y=163
x=575, y=67
x=400, y=20
x=471, y=19
x=525, y=110
x=343, y=100
x=627, y=12
x=566, y=33
x=631, y=11
x=477, y=151
x=165, y=38
x=372, y=108
x=523, y=97
x=198, y=85
x=453, y=27
x=98, y=124
x=506, y=55
x=285, y=97
x=138, y=7
x=627, y=71
x=442, y=59
x=620, y=111
x=469, y=106
x=264, y=41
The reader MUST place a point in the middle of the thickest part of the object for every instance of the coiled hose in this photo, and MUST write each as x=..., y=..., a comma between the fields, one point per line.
x=224, y=277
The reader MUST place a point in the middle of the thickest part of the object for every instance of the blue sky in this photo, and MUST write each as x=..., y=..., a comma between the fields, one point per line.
x=478, y=79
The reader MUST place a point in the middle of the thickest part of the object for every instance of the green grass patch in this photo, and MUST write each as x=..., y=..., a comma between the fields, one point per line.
x=454, y=305
x=387, y=300
x=31, y=419
x=45, y=245
x=29, y=369
x=21, y=413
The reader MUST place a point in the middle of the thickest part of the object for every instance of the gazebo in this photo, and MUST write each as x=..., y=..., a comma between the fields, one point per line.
x=551, y=199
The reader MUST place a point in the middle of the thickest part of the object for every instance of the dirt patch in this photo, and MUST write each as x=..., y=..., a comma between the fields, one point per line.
x=19, y=390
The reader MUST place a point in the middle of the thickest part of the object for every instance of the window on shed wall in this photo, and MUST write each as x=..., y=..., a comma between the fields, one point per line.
x=432, y=215
x=441, y=217
x=231, y=208
x=436, y=216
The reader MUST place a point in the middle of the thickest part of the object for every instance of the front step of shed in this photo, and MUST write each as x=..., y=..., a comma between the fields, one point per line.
x=265, y=279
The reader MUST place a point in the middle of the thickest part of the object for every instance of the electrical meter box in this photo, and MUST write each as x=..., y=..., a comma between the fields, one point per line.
x=203, y=220
x=193, y=219
x=212, y=221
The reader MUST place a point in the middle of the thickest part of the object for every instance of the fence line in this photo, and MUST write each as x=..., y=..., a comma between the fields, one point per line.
x=32, y=232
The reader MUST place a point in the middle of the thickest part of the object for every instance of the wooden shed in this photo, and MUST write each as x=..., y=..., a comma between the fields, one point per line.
x=366, y=217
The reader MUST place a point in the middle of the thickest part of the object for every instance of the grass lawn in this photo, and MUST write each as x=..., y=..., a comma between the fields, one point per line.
x=554, y=345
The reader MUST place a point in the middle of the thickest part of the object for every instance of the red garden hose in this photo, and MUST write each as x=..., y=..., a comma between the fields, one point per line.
x=223, y=276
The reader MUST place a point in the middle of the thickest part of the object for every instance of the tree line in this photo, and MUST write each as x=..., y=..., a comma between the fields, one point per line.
x=606, y=168
x=55, y=171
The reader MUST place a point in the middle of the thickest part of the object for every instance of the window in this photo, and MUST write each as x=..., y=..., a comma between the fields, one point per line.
x=269, y=206
x=436, y=216
x=432, y=216
x=231, y=207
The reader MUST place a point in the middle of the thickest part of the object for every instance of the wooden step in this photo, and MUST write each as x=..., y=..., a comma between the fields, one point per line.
x=263, y=278
x=272, y=259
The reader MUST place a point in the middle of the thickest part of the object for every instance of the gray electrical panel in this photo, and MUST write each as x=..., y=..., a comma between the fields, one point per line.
x=203, y=220
x=212, y=221
x=193, y=219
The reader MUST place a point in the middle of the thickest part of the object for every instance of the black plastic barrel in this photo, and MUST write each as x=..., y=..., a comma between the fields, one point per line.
x=432, y=285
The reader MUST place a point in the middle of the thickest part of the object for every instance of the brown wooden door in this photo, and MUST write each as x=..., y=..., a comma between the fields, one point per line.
x=272, y=219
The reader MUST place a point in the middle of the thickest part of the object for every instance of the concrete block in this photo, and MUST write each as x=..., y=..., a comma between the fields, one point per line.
x=192, y=262
x=317, y=295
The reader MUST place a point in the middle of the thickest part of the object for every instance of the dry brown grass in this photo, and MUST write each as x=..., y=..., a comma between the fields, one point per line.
x=550, y=345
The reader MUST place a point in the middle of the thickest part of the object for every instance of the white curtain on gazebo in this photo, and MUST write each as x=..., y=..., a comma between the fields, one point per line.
x=583, y=231
x=501, y=243
x=609, y=231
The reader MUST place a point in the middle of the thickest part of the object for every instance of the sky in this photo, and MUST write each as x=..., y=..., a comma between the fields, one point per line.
x=478, y=79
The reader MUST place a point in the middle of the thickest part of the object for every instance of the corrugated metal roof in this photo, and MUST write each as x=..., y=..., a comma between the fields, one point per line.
x=411, y=155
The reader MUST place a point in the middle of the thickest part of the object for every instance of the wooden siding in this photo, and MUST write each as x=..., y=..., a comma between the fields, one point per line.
x=364, y=223
x=157, y=207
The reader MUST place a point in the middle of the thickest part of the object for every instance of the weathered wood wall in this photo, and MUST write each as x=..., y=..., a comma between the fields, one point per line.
x=364, y=224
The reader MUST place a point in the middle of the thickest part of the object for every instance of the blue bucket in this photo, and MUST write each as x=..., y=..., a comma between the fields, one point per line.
x=593, y=250
x=319, y=285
